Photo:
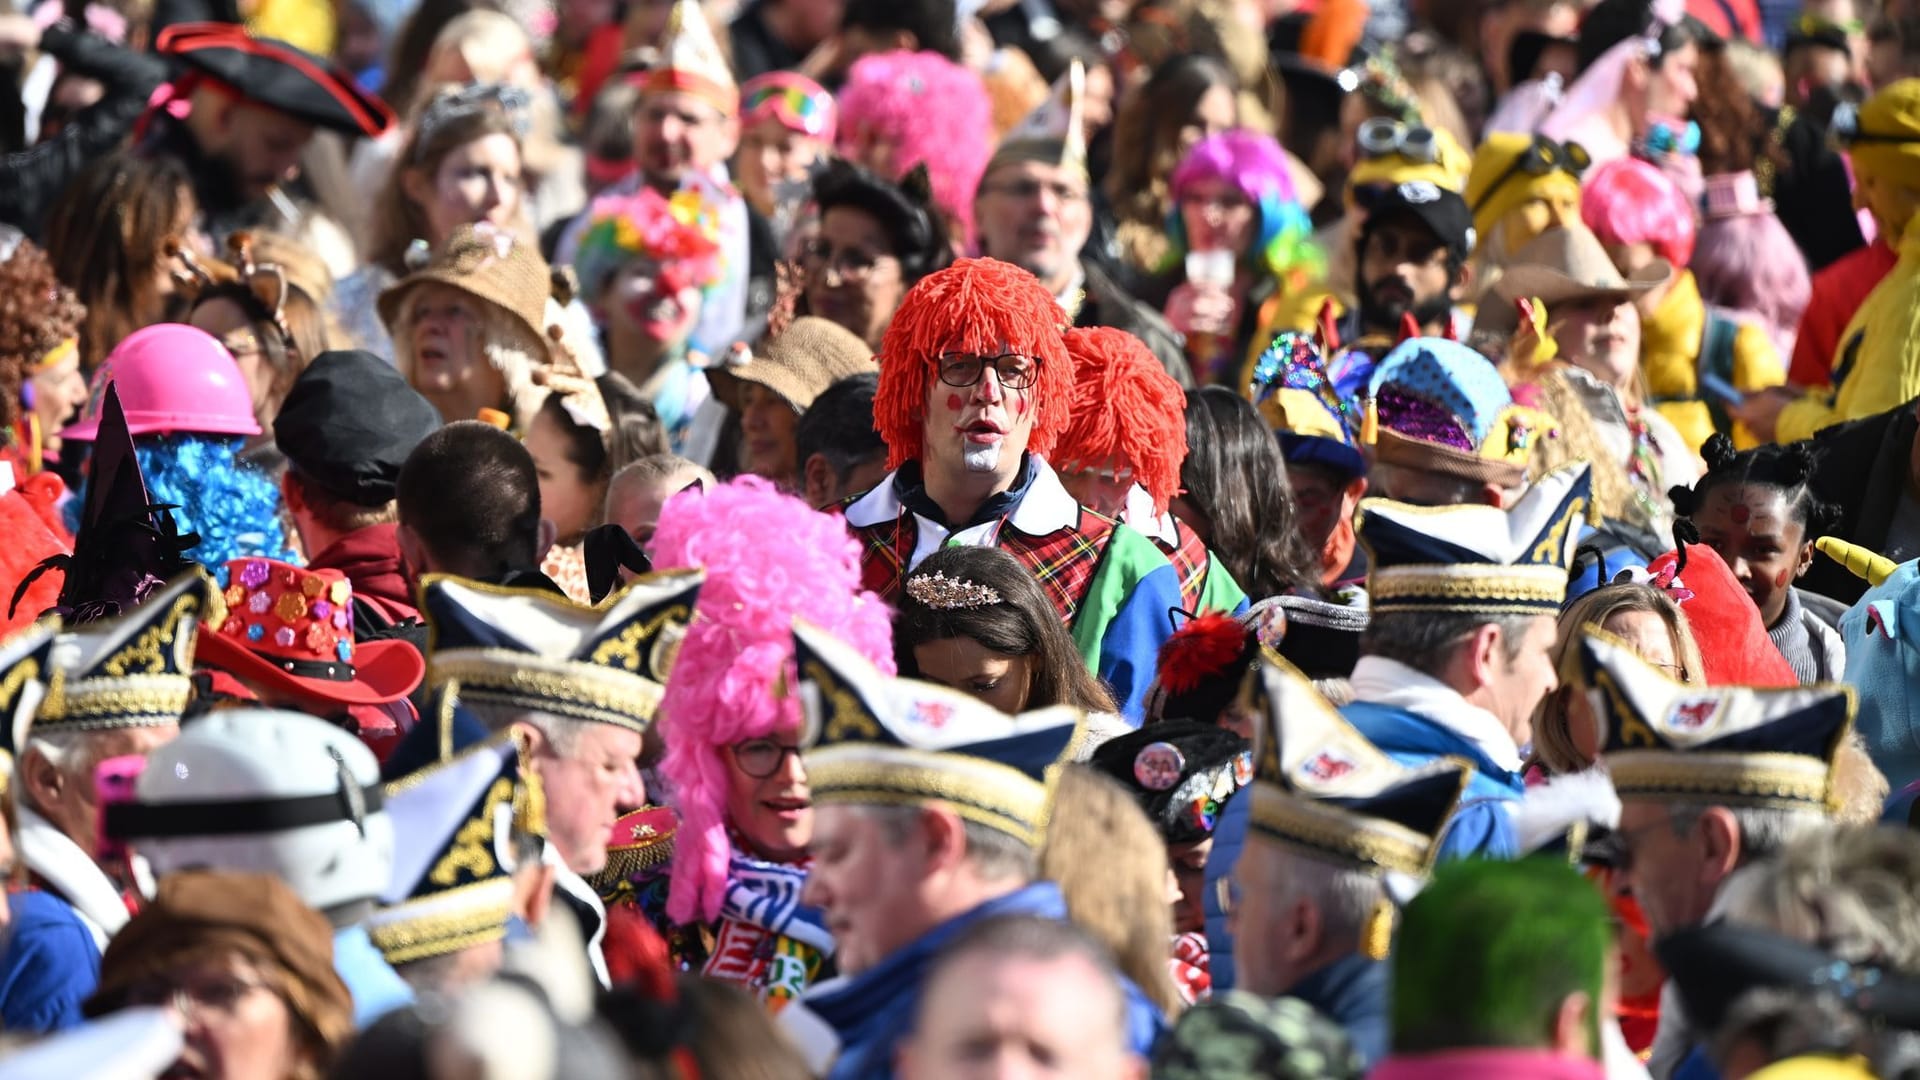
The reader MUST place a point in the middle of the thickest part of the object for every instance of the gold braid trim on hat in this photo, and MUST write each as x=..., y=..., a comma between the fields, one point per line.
x=985, y=792
x=105, y=704
x=1369, y=844
x=1765, y=780
x=624, y=862
x=1467, y=586
x=566, y=688
x=444, y=922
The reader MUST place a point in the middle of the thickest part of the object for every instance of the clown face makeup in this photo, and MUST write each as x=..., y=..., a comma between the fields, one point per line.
x=653, y=300
x=980, y=413
x=1752, y=528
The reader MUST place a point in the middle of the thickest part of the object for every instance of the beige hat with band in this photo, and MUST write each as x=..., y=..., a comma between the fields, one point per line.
x=491, y=264
x=1571, y=264
x=811, y=355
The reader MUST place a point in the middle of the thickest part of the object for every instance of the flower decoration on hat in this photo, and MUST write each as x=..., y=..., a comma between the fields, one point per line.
x=680, y=232
x=292, y=629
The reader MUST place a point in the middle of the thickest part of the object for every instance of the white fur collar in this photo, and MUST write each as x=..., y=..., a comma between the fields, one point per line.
x=1382, y=681
x=71, y=875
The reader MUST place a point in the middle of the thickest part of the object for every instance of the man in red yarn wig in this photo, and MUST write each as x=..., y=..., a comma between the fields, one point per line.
x=976, y=388
x=1121, y=454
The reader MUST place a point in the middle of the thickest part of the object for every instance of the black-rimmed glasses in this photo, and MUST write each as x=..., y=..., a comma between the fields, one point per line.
x=761, y=758
x=1016, y=371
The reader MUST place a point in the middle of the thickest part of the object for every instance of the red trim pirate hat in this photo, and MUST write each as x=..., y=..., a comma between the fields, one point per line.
x=276, y=75
x=292, y=628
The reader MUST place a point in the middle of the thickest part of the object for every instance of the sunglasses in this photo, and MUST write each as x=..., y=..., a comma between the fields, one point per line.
x=1845, y=129
x=1540, y=159
x=1384, y=137
x=796, y=108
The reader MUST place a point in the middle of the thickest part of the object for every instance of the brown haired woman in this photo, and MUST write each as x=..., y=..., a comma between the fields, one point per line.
x=111, y=239
x=40, y=383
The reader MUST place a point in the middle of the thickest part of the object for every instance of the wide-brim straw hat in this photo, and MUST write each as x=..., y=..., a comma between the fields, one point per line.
x=1569, y=264
x=488, y=263
x=811, y=355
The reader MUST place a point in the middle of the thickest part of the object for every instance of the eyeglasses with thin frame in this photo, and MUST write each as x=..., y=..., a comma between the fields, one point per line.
x=1016, y=371
x=761, y=758
x=852, y=264
x=216, y=999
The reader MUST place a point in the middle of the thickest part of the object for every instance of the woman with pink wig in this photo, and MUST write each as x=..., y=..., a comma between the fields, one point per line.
x=730, y=718
x=901, y=109
x=1244, y=242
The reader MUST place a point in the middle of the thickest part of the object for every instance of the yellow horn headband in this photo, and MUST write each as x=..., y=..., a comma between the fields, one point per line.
x=1869, y=566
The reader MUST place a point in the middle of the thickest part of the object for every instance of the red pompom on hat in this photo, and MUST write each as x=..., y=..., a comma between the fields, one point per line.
x=1201, y=667
x=981, y=306
x=1733, y=639
x=1128, y=413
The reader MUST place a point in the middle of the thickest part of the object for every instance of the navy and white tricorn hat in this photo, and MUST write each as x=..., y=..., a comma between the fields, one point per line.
x=1668, y=741
x=529, y=650
x=1321, y=788
x=872, y=738
x=1477, y=558
x=131, y=671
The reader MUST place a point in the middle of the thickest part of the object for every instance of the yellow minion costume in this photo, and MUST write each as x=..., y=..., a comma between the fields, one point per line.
x=1519, y=187
x=1879, y=360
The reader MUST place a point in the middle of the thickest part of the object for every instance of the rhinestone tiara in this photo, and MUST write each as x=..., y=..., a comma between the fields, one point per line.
x=942, y=593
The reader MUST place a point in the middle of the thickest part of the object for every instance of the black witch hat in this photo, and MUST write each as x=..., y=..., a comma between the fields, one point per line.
x=126, y=547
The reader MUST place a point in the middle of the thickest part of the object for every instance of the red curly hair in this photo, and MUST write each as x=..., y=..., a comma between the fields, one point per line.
x=37, y=313
x=1126, y=408
x=975, y=305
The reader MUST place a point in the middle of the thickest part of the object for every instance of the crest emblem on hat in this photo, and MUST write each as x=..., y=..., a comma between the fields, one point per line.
x=933, y=714
x=1327, y=766
x=1694, y=715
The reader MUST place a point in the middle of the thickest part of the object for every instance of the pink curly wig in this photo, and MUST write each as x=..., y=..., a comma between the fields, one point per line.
x=769, y=559
x=1631, y=202
x=1749, y=263
x=980, y=306
x=917, y=107
x=1126, y=408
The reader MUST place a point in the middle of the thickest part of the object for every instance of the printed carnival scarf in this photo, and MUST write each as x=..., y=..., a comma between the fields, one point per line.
x=766, y=941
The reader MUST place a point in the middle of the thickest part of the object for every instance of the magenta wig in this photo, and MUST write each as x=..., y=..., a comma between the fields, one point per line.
x=1749, y=263
x=1631, y=202
x=769, y=559
x=1256, y=166
x=899, y=109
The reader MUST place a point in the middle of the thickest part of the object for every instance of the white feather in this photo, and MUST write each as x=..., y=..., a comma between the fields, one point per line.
x=1547, y=811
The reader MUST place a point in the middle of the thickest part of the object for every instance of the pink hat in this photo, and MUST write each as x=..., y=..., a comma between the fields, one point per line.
x=172, y=378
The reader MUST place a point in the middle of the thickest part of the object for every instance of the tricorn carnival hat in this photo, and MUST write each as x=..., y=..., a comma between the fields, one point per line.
x=25, y=666
x=1053, y=134
x=1319, y=786
x=1439, y=406
x=453, y=857
x=1476, y=558
x=290, y=627
x=1721, y=745
x=640, y=840
x=277, y=75
x=691, y=61
x=871, y=738
x=528, y=650
x=133, y=671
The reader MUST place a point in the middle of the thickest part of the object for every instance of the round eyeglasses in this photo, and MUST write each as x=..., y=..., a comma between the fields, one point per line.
x=761, y=758
x=1016, y=371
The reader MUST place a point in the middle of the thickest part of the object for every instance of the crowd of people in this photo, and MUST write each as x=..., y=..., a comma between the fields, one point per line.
x=1192, y=539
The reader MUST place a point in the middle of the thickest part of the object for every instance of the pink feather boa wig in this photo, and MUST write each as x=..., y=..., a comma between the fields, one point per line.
x=899, y=109
x=769, y=558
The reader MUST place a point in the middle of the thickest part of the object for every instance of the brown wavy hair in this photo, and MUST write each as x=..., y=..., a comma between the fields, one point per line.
x=37, y=313
x=108, y=237
x=397, y=221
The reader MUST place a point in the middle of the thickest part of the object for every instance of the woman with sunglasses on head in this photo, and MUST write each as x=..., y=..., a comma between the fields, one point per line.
x=460, y=166
x=1241, y=247
x=265, y=318
x=728, y=904
x=874, y=241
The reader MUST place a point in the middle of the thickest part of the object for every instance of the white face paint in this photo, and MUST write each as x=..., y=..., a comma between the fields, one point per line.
x=982, y=459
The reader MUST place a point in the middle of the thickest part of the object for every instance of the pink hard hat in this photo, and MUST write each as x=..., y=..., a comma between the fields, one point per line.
x=172, y=378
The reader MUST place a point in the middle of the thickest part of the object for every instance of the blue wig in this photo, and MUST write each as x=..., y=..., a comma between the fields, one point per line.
x=231, y=504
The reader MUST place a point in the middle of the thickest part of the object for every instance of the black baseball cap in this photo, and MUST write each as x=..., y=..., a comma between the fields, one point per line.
x=1443, y=212
x=349, y=423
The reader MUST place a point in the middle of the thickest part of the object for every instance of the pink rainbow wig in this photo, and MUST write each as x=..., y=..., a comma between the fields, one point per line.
x=1631, y=202
x=921, y=107
x=1749, y=263
x=769, y=558
x=1256, y=166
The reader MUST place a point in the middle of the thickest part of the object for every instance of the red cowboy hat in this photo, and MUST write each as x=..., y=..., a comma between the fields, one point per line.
x=292, y=628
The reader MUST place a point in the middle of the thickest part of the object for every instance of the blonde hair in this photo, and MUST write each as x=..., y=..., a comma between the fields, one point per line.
x=510, y=348
x=1112, y=867
x=1553, y=747
x=1854, y=891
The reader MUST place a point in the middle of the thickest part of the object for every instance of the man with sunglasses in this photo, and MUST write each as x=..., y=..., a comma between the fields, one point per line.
x=976, y=387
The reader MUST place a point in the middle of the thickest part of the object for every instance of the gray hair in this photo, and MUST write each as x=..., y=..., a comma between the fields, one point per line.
x=1852, y=891
x=995, y=855
x=1344, y=897
x=1763, y=830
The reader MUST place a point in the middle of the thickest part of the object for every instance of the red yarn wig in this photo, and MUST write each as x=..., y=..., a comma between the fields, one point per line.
x=1126, y=408
x=981, y=306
